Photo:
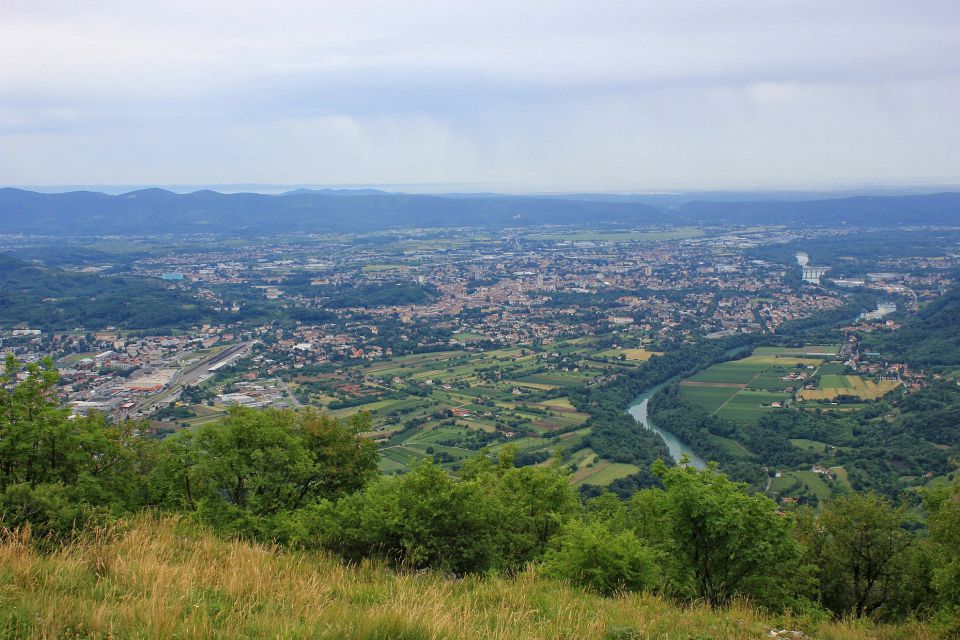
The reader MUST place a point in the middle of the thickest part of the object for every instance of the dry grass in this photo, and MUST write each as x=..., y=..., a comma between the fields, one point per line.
x=856, y=386
x=634, y=355
x=158, y=579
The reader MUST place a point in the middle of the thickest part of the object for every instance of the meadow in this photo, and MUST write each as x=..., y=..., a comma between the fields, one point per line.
x=159, y=578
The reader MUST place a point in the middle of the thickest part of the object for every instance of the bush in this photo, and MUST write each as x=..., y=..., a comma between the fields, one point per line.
x=491, y=517
x=592, y=556
x=424, y=519
x=49, y=509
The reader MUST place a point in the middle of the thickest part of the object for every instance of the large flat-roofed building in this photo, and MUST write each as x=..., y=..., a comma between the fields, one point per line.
x=151, y=381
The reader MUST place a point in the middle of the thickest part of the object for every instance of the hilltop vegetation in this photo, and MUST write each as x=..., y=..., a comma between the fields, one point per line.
x=158, y=578
x=308, y=484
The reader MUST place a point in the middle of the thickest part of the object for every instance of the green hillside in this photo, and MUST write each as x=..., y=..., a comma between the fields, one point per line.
x=46, y=298
x=929, y=340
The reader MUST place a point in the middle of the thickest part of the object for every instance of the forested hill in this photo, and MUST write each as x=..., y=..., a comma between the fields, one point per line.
x=156, y=211
x=931, y=339
x=45, y=298
x=159, y=211
x=861, y=211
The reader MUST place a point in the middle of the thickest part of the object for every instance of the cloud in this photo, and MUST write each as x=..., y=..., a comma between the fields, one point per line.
x=531, y=95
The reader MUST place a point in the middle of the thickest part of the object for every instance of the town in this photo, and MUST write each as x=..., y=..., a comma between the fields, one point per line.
x=458, y=340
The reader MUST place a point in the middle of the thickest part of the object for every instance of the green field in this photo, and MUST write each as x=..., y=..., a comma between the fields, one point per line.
x=793, y=482
x=812, y=350
x=809, y=445
x=814, y=483
x=607, y=472
x=710, y=398
x=736, y=372
x=773, y=381
x=833, y=381
x=730, y=446
x=590, y=469
x=832, y=368
x=744, y=390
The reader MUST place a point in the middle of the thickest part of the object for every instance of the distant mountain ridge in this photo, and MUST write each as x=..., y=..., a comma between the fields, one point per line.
x=905, y=210
x=157, y=211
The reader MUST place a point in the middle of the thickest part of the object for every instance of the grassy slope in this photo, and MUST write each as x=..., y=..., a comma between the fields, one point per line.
x=156, y=579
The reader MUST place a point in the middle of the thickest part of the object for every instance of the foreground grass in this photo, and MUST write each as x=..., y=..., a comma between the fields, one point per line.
x=158, y=578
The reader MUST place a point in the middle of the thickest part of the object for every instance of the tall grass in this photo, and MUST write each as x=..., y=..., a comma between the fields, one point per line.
x=157, y=578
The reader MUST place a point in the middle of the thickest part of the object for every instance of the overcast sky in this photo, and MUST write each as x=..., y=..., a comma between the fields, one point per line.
x=496, y=94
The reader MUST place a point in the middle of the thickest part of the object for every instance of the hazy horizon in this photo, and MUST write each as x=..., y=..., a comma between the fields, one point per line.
x=466, y=189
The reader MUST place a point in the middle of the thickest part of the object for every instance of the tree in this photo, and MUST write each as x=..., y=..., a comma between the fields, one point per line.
x=424, y=519
x=943, y=504
x=493, y=516
x=860, y=553
x=590, y=554
x=58, y=471
x=246, y=472
x=732, y=542
x=530, y=503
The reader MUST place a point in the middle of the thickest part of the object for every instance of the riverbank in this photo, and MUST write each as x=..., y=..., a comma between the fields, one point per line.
x=678, y=448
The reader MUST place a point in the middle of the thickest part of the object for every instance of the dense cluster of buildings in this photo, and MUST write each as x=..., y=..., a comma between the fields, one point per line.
x=480, y=292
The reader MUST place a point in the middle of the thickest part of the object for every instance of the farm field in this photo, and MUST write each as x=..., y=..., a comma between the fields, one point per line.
x=834, y=386
x=813, y=350
x=590, y=469
x=743, y=390
x=446, y=406
x=832, y=368
x=731, y=446
x=792, y=482
x=833, y=381
x=810, y=445
x=749, y=405
x=633, y=355
x=710, y=398
x=606, y=472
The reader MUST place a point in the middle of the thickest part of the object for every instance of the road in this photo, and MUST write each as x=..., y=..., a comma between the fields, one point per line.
x=290, y=396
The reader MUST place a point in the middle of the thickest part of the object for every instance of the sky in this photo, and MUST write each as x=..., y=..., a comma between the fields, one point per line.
x=502, y=95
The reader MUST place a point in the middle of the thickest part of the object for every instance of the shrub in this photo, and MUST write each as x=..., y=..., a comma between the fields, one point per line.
x=592, y=556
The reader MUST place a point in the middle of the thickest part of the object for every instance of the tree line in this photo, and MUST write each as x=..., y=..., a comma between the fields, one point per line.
x=879, y=445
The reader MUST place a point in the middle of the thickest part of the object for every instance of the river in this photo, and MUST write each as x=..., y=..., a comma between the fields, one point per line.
x=638, y=409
